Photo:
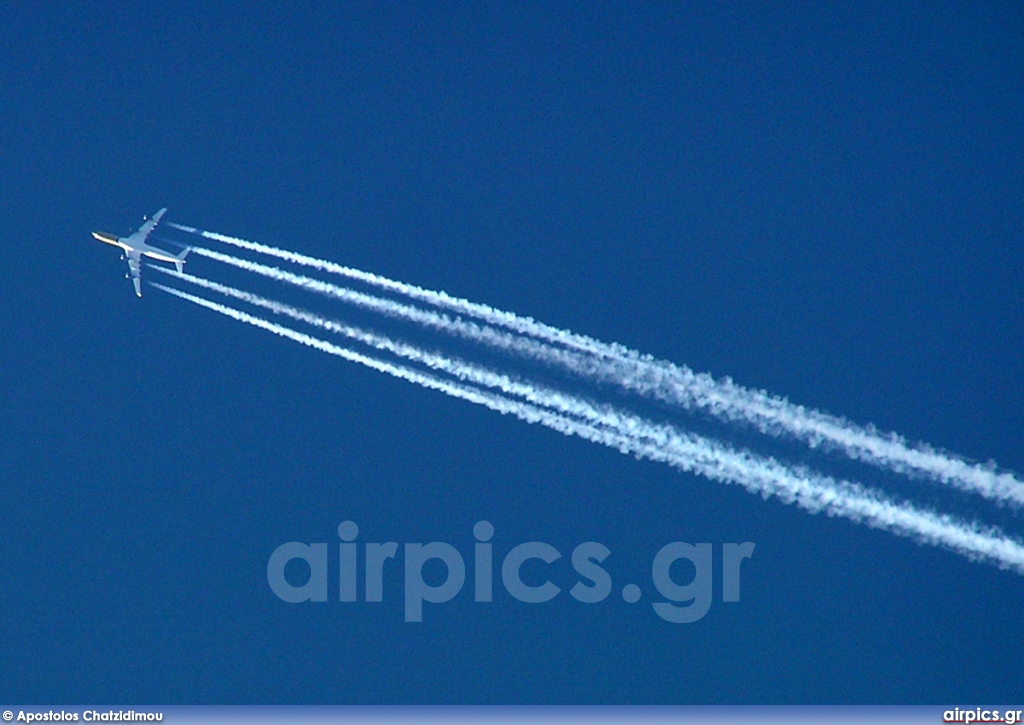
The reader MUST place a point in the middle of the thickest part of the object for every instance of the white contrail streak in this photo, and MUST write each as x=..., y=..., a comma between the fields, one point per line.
x=684, y=451
x=517, y=344
x=465, y=371
x=645, y=375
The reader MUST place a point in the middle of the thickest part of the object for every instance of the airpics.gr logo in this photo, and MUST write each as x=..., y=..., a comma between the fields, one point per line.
x=594, y=586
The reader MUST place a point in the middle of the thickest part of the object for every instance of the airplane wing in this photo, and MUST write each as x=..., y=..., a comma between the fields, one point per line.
x=135, y=270
x=146, y=229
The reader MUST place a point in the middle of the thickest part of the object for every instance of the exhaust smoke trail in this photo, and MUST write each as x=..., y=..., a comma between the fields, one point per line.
x=644, y=439
x=465, y=371
x=631, y=371
x=522, y=346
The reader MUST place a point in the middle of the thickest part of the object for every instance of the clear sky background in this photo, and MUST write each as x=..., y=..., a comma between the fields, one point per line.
x=820, y=199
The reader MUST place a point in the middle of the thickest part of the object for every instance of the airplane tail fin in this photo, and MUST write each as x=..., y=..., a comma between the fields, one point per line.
x=179, y=259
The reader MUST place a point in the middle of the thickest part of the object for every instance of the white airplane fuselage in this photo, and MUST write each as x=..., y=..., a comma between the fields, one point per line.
x=143, y=249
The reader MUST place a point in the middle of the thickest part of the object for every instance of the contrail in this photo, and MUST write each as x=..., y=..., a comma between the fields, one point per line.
x=517, y=344
x=465, y=371
x=688, y=452
x=658, y=379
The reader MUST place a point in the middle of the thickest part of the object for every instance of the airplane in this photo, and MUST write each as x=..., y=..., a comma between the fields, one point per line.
x=135, y=248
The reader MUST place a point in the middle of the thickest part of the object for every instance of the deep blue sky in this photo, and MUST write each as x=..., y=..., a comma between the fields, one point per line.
x=823, y=200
